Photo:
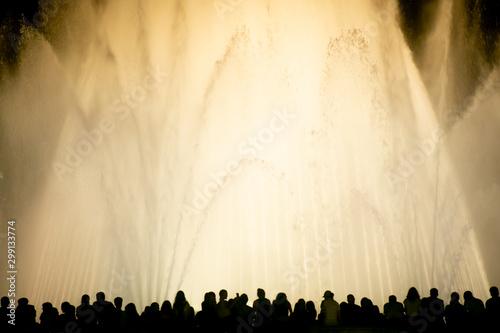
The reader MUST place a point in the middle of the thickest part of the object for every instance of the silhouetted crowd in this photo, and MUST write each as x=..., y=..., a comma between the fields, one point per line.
x=414, y=314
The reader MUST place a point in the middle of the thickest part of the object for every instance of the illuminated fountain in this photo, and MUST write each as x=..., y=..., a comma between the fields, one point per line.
x=158, y=146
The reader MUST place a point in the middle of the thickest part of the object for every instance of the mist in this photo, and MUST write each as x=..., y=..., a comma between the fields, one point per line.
x=152, y=146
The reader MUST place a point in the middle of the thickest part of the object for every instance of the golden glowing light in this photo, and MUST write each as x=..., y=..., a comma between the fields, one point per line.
x=201, y=145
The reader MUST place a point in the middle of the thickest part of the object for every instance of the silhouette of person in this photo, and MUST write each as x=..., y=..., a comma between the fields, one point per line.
x=299, y=316
x=262, y=310
x=166, y=309
x=207, y=317
x=155, y=317
x=428, y=314
x=475, y=310
x=349, y=311
x=493, y=308
x=181, y=306
x=146, y=318
x=166, y=315
x=262, y=304
x=67, y=317
x=105, y=311
x=432, y=309
x=394, y=312
x=312, y=313
x=223, y=311
x=4, y=312
x=48, y=318
x=133, y=319
x=120, y=317
x=86, y=316
x=183, y=313
x=412, y=302
x=454, y=314
x=223, y=306
x=25, y=316
x=241, y=308
x=282, y=308
x=369, y=314
x=330, y=310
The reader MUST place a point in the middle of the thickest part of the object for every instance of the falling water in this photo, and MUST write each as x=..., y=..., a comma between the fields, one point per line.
x=197, y=145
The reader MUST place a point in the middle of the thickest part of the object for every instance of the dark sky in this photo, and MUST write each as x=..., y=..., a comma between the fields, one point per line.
x=417, y=18
x=14, y=8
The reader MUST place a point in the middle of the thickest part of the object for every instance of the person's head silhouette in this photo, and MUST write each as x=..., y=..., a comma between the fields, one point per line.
x=47, y=306
x=85, y=299
x=494, y=291
x=180, y=298
x=100, y=297
x=328, y=295
x=155, y=307
x=366, y=303
x=281, y=298
x=468, y=295
x=412, y=294
x=223, y=294
x=22, y=302
x=166, y=307
x=66, y=307
x=118, y=302
x=243, y=299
